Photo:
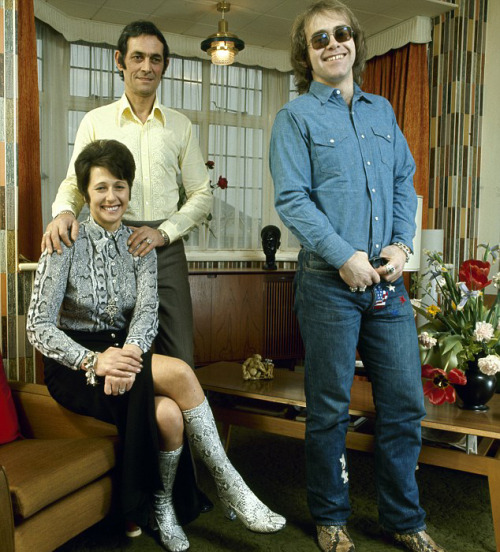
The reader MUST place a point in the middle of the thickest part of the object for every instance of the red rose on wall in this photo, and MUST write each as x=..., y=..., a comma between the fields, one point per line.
x=222, y=183
x=475, y=274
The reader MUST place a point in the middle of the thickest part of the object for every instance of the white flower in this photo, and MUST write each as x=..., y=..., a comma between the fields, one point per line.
x=426, y=340
x=496, y=280
x=416, y=302
x=489, y=365
x=484, y=331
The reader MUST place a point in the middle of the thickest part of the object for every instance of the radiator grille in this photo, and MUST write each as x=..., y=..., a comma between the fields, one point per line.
x=282, y=334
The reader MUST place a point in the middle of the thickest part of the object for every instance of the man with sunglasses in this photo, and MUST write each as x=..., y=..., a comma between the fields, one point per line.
x=343, y=185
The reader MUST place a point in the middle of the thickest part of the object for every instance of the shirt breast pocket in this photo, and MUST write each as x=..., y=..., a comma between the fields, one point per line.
x=385, y=142
x=332, y=153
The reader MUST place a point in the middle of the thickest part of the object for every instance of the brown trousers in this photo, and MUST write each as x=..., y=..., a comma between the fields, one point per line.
x=175, y=332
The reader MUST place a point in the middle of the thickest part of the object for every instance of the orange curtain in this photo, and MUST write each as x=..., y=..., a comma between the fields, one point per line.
x=402, y=77
x=30, y=206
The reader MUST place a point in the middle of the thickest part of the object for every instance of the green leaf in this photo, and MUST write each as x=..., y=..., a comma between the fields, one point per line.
x=450, y=342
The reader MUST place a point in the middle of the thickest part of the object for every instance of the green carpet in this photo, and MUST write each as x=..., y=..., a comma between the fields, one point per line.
x=457, y=505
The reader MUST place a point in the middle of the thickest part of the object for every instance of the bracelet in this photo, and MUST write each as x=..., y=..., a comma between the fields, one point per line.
x=405, y=249
x=67, y=212
x=88, y=365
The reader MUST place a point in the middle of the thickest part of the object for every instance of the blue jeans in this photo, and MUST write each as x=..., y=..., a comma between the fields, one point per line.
x=378, y=322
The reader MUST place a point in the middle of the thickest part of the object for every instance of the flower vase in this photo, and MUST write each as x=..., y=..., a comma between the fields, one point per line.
x=478, y=390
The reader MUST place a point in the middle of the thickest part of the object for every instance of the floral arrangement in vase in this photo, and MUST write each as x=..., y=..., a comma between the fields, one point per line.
x=461, y=330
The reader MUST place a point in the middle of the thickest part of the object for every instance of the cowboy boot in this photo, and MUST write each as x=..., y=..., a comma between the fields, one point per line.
x=334, y=538
x=417, y=542
x=233, y=492
x=172, y=536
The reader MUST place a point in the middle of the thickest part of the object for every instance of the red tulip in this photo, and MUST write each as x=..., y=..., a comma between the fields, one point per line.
x=439, y=389
x=475, y=274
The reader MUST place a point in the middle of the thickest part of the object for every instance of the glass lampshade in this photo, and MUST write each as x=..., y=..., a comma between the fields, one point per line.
x=223, y=53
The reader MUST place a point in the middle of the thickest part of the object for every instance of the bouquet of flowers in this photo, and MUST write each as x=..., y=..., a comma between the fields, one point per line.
x=460, y=328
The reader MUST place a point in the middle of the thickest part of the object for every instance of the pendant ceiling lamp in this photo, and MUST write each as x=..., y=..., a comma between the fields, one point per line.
x=223, y=45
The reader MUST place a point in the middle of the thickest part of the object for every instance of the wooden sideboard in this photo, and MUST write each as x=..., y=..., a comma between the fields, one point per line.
x=241, y=312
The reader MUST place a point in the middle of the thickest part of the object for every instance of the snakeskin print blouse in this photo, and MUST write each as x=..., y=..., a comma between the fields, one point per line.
x=94, y=285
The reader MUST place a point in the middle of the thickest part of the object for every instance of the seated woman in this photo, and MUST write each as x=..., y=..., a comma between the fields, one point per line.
x=93, y=315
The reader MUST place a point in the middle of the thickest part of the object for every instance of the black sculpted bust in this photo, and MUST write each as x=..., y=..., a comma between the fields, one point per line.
x=270, y=236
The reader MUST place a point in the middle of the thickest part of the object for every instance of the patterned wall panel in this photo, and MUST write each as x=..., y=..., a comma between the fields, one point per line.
x=457, y=77
x=3, y=233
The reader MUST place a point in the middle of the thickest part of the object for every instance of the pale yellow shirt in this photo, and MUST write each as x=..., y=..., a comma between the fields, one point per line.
x=165, y=154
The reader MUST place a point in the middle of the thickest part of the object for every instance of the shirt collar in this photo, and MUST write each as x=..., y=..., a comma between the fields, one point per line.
x=99, y=236
x=125, y=111
x=323, y=92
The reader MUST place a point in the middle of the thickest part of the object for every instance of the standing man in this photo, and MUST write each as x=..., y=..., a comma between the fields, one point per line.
x=164, y=148
x=343, y=174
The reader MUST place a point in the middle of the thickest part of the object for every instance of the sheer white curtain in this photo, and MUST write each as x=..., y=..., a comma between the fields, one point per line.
x=232, y=110
x=54, y=96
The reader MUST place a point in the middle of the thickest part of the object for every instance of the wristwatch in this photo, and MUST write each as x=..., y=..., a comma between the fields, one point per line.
x=165, y=237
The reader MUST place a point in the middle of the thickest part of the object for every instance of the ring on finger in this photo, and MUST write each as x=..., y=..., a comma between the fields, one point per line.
x=361, y=289
x=149, y=241
x=353, y=289
x=121, y=391
x=389, y=269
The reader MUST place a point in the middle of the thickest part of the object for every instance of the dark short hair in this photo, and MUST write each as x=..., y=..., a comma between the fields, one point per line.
x=139, y=28
x=108, y=154
x=299, y=55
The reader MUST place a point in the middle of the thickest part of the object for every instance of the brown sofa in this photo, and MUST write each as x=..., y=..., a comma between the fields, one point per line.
x=57, y=481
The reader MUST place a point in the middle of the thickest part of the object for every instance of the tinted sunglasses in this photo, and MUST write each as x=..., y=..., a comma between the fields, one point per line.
x=343, y=33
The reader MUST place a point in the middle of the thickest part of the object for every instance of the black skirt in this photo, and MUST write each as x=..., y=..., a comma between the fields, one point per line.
x=134, y=416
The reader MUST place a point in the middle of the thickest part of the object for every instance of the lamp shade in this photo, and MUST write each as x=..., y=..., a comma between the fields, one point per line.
x=413, y=264
x=223, y=45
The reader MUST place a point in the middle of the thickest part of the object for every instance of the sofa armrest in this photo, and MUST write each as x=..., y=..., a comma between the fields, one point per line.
x=41, y=417
x=6, y=515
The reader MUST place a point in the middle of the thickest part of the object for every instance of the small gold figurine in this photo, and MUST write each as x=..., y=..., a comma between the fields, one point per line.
x=254, y=368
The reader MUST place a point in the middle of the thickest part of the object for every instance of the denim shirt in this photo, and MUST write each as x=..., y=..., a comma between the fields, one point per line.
x=343, y=176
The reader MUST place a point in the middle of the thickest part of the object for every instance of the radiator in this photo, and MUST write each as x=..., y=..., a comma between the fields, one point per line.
x=281, y=329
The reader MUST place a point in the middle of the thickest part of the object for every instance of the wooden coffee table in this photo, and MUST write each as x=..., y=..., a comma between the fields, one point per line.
x=287, y=389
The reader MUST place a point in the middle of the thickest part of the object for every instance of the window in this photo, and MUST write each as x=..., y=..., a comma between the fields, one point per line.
x=92, y=72
x=181, y=86
x=292, y=91
x=231, y=114
x=39, y=56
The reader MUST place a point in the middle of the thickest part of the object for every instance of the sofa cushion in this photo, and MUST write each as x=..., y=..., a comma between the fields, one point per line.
x=9, y=425
x=41, y=471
